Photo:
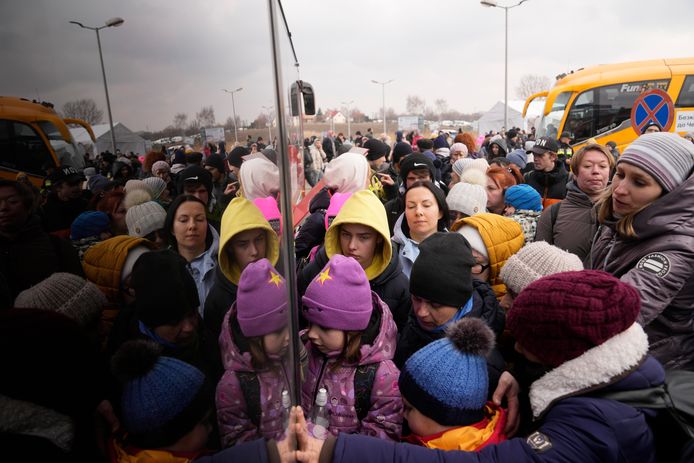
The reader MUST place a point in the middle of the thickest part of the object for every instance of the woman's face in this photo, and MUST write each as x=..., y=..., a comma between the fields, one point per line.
x=431, y=315
x=593, y=173
x=495, y=149
x=633, y=189
x=495, y=197
x=190, y=225
x=163, y=174
x=455, y=155
x=118, y=224
x=422, y=213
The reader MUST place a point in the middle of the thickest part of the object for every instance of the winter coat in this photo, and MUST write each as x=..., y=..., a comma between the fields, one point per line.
x=57, y=215
x=575, y=225
x=551, y=185
x=318, y=158
x=406, y=248
x=572, y=426
x=384, y=274
x=527, y=219
x=384, y=418
x=241, y=215
x=32, y=255
x=503, y=149
x=660, y=265
x=312, y=231
x=502, y=236
x=232, y=411
x=202, y=267
x=484, y=306
x=256, y=451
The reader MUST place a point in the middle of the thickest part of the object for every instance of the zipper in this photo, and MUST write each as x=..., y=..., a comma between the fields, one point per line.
x=320, y=376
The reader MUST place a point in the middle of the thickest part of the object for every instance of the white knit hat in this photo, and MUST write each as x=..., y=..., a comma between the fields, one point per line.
x=259, y=178
x=467, y=198
x=132, y=185
x=347, y=173
x=143, y=219
x=461, y=165
x=472, y=235
x=156, y=186
x=535, y=261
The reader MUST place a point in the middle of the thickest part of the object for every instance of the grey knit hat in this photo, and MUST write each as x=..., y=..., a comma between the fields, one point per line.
x=65, y=293
x=143, y=219
x=156, y=186
x=535, y=261
x=666, y=156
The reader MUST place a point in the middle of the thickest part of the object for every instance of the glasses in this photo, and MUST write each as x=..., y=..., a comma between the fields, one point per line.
x=479, y=268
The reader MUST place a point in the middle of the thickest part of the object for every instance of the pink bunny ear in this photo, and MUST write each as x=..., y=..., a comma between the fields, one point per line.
x=268, y=206
x=336, y=202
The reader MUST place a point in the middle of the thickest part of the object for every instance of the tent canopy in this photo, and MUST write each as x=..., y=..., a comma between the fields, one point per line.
x=126, y=139
x=494, y=118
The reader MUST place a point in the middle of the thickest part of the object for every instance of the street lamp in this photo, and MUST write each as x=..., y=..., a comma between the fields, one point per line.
x=269, y=122
x=233, y=108
x=493, y=4
x=349, y=116
x=383, y=89
x=113, y=22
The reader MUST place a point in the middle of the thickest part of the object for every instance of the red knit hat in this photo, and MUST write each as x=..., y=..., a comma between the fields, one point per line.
x=559, y=317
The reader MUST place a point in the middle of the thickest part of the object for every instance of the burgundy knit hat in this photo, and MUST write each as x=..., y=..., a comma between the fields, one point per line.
x=559, y=317
x=340, y=296
x=261, y=303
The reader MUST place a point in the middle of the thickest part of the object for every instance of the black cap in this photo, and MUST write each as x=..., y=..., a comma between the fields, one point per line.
x=416, y=161
x=565, y=135
x=235, y=157
x=544, y=144
x=65, y=174
x=194, y=174
x=377, y=149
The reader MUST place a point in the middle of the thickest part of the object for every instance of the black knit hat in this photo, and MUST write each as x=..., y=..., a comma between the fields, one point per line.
x=165, y=292
x=400, y=150
x=442, y=271
x=425, y=144
x=377, y=149
x=235, y=157
x=217, y=161
x=416, y=161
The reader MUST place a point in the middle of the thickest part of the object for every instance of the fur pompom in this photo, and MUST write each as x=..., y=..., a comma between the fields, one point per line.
x=471, y=336
x=135, y=359
x=135, y=198
x=475, y=177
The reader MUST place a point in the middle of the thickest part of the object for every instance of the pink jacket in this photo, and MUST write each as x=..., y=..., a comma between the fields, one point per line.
x=234, y=423
x=384, y=419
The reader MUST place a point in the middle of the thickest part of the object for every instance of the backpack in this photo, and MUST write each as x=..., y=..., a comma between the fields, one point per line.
x=364, y=378
x=673, y=431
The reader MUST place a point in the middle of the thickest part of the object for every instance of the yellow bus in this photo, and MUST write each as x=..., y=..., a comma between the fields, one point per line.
x=34, y=137
x=596, y=102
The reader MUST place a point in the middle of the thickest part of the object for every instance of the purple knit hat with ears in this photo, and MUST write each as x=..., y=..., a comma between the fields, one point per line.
x=340, y=296
x=261, y=303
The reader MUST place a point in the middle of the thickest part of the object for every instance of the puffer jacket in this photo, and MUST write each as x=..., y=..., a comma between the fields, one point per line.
x=572, y=426
x=312, y=231
x=660, y=265
x=232, y=411
x=384, y=418
x=502, y=236
x=575, y=226
x=551, y=185
x=484, y=306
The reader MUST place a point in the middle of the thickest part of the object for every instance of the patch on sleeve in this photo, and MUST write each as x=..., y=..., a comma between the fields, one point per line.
x=656, y=263
x=539, y=442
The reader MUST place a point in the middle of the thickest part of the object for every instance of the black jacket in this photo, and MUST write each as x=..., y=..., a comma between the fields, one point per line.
x=312, y=231
x=58, y=215
x=550, y=185
x=392, y=286
x=218, y=302
x=484, y=306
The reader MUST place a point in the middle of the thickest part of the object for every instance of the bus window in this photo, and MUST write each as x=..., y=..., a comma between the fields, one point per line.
x=549, y=124
x=580, y=122
x=66, y=152
x=22, y=149
x=686, y=96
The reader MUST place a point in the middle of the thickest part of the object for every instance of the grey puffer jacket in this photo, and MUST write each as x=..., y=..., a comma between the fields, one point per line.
x=660, y=264
x=575, y=226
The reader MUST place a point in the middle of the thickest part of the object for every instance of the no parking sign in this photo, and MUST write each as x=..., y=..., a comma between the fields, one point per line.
x=652, y=106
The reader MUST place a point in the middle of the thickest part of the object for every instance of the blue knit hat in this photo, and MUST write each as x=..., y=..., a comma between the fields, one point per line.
x=518, y=157
x=523, y=196
x=440, y=142
x=90, y=223
x=447, y=380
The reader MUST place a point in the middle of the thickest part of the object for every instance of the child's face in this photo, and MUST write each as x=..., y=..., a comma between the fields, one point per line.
x=360, y=242
x=326, y=340
x=275, y=344
x=248, y=246
x=419, y=424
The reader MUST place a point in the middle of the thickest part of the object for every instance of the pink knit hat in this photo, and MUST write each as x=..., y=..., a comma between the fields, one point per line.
x=340, y=296
x=261, y=303
x=336, y=202
x=268, y=206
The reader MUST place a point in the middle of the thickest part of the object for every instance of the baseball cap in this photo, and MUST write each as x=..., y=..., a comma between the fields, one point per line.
x=66, y=174
x=544, y=144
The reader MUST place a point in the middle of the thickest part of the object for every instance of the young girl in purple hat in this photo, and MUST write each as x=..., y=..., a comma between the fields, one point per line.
x=351, y=345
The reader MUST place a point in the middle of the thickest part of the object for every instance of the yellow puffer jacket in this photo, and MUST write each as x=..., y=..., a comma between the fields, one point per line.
x=503, y=237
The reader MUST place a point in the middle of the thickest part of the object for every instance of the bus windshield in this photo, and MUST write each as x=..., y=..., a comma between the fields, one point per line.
x=549, y=124
x=67, y=153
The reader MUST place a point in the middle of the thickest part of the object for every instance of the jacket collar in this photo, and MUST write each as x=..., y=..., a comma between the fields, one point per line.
x=596, y=368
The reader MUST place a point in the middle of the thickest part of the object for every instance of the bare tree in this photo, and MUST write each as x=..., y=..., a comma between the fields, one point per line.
x=415, y=105
x=180, y=120
x=531, y=84
x=84, y=109
x=205, y=117
x=441, y=107
x=260, y=122
x=391, y=115
x=358, y=116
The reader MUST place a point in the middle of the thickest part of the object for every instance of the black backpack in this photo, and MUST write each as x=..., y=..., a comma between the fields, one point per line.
x=363, y=384
x=673, y=425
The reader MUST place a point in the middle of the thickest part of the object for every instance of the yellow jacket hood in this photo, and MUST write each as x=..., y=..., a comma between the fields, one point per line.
x=242, y=215
x=363, y=208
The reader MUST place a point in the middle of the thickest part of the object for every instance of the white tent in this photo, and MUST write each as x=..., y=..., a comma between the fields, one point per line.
x=494, y=118
x=126, y=139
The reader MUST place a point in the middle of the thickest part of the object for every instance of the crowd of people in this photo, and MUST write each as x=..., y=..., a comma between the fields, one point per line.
x=480, y=297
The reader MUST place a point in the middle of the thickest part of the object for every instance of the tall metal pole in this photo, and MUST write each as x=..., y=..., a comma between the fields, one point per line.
x=506, y=72
x=233, y=109
x=383, y=91
x=349, y=114
x=108, y=100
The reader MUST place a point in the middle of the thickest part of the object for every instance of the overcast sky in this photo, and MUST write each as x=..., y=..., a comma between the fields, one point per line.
x=175, y=56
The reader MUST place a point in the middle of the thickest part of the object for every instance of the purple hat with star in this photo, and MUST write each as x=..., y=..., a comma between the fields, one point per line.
x=261, y=302
x=340, y=296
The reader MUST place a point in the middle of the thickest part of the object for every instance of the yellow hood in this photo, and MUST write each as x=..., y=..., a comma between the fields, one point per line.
x=239, y=216
x=363, y=208
x=503, y=237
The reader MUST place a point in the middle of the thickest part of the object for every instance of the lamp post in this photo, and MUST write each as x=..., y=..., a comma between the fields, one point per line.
x=493, y=4
x=233, y=108
x=113, y=22
x=383, y=90
x=269, y=122
x=349, y=116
